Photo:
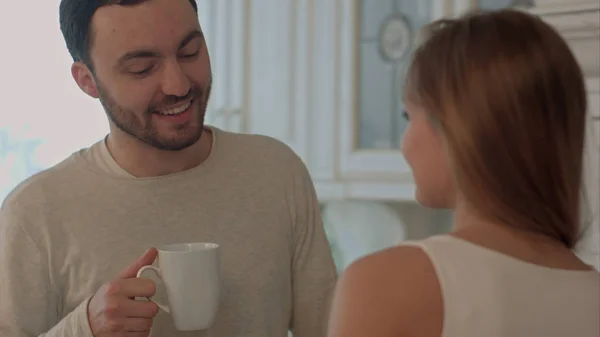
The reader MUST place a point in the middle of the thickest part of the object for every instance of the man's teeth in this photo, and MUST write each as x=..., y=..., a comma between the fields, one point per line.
x=175, y=111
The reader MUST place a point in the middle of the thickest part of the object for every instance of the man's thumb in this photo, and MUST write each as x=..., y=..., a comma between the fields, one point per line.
x=145, y=260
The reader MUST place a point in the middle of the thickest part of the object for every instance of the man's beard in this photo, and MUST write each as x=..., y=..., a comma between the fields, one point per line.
x=186, y=134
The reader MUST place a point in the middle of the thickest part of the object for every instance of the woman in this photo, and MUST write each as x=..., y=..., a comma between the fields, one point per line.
x=497, y=109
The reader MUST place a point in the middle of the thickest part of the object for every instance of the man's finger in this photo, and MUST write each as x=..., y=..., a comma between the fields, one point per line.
x=137, y=287
x=145, y=260
x=138, y=308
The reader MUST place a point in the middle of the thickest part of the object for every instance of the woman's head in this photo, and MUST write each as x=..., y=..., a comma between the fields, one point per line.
x=497, y=107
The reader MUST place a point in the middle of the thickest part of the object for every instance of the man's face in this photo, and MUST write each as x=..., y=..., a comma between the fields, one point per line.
x=152, y=71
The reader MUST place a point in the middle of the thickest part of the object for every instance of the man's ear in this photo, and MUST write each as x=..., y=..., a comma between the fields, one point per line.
x=84, y=79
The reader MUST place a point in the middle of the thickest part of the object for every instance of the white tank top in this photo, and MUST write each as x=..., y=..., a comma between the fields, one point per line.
x=490, y=294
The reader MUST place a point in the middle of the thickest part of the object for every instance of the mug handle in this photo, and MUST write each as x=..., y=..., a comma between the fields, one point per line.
x=157, y=271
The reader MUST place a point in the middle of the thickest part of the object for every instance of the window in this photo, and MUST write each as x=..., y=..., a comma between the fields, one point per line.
x=44, y=115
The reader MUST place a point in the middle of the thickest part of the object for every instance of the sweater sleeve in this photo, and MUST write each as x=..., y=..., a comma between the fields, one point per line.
x=29, y=304
x=314, y=272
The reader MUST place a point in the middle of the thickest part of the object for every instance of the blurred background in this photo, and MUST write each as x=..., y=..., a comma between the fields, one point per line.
x=324, y=76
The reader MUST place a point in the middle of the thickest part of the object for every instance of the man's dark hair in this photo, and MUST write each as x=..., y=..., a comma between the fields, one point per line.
x=75, y=18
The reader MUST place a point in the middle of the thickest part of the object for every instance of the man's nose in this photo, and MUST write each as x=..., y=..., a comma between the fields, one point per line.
x=175, y=81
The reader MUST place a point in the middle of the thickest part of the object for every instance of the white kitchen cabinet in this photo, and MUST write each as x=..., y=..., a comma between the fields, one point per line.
x=307, y=86
x=223, y=23
x=274, y=74
x=313, y=75
x=279, y=81
x=266, y=78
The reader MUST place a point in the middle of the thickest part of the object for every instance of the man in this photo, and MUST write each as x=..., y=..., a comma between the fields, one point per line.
x=71, y=237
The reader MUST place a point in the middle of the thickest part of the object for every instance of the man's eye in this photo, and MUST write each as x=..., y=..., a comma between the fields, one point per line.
x=190, y=56
x=141, y=72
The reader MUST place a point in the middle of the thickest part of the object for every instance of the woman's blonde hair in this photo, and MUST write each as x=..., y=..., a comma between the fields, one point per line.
x=509, y=97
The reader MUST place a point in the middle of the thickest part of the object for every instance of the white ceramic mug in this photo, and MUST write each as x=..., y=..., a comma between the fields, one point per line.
x=190, y=273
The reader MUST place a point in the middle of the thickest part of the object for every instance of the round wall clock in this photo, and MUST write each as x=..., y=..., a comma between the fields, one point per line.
x=395, y=37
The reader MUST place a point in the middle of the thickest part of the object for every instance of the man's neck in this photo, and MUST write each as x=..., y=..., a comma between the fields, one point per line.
x=142, y=160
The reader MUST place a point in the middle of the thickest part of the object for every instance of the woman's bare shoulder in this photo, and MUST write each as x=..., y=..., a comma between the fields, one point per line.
x=394, y=292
